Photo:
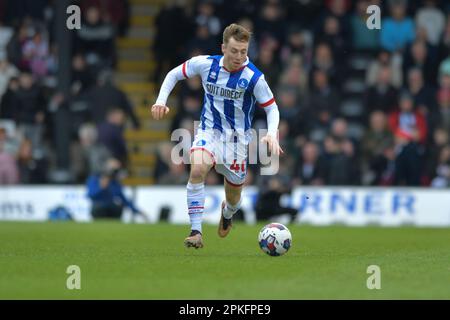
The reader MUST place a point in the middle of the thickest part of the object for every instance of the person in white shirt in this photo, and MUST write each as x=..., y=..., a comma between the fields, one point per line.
x=233, y=87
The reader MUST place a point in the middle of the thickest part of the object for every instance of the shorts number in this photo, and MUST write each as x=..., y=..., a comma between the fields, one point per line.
x=234, y=166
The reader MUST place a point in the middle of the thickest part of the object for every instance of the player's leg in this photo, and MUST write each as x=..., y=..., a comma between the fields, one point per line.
x=201, y=162
x=230, y=206
x=234, y=170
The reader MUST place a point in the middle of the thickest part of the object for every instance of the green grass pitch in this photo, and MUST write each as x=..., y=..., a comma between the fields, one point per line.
x=142, y=261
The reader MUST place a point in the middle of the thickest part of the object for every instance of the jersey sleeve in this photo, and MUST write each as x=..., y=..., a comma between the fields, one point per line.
x=194, y=66
x=263, y=94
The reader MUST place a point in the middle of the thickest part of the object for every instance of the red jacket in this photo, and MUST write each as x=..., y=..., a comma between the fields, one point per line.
x=421, y=125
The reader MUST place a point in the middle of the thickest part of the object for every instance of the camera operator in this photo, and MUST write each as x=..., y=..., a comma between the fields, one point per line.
x=105, y=191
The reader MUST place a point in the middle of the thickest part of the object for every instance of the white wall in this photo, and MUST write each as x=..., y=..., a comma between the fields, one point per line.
x=318, y=206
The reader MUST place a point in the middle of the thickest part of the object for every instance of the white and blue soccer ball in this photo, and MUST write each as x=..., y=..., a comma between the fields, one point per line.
x=275, y=239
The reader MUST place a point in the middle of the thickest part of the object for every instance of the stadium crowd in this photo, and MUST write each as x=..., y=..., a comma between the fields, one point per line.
x=357, y=106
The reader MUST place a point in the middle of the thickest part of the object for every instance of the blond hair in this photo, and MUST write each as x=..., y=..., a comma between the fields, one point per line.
x=238, y=32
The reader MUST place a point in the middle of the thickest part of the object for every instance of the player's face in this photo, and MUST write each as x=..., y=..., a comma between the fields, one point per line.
x=235, y=53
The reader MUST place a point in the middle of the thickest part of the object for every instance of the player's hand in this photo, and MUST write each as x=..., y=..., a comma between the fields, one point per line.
x=272, y=144
x=158, y=111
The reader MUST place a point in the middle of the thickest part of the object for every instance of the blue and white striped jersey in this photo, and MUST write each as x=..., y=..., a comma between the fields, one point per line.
x=230, y=97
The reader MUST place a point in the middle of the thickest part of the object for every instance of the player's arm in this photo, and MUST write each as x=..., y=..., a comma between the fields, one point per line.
x=265, y=98
x=183, y=71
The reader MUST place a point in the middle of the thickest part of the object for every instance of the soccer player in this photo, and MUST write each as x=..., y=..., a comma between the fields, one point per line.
x=233, y=88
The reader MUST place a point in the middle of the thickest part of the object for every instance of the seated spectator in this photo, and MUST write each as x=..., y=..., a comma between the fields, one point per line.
x=374, y=147
x=334, y=36
x=95, y=39
x=382, y=95
x=410, y=130
x=432, y=19
x=32, y=166
x=422, y=93
x=385, y=59
x=339, y=163
x=268, y=203
x=89, y=156
x=407, y=122
x=442, y=174
x=324, y=60
x=35, y=54
x=31, y=109
x=10, y=103
x=110, y=134
x=441, y=118
x=439, y=141
x=364, y=39
x=419, y=57
x=9, y=173
x=308, y=169
x=106, y=193
x=323, y=103
x=106, y=95
x=397, y=30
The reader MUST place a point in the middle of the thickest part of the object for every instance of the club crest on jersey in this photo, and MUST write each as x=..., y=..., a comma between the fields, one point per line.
x=242, y=83
x=201, y=143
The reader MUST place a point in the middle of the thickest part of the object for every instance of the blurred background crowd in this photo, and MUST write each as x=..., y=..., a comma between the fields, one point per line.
x=357, y=106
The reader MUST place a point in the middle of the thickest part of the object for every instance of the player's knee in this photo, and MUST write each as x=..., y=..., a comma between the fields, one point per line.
x=198, y=173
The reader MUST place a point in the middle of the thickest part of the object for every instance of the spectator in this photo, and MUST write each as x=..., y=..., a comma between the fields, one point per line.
x=385, y=59
x=340, y=168
x=377, y=151
x=364, y=39
x=105, y=96
x=82, y=78
x=398, y=30
x=298, y=44
x=206, y=17
x=439, y=141
x=31, y=109
x=418, y=56
x=110, y=134
x=324, y=103
x=106, y=193
x=270, y=24
x=10, y=103
x=432, y=20
x=90, y=156
x=35, y=54
x=441, y=118
x=32, y=165
x=95, y=39
x=308, y=169
x=8, y=168
x=334, y=36
x=268, y=203
x=269, y=65
x=324, y=60
x=173, y=30
x=442, y=178
x=422, y=93
x=410, y=131
x=382, y=95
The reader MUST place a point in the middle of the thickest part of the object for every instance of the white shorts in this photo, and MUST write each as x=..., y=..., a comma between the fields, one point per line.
x=230, y=157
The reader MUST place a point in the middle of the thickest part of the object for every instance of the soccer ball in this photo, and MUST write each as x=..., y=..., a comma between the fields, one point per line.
x=275, y=239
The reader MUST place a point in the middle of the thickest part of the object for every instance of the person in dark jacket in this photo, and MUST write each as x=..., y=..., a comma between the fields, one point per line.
x=268, y=203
